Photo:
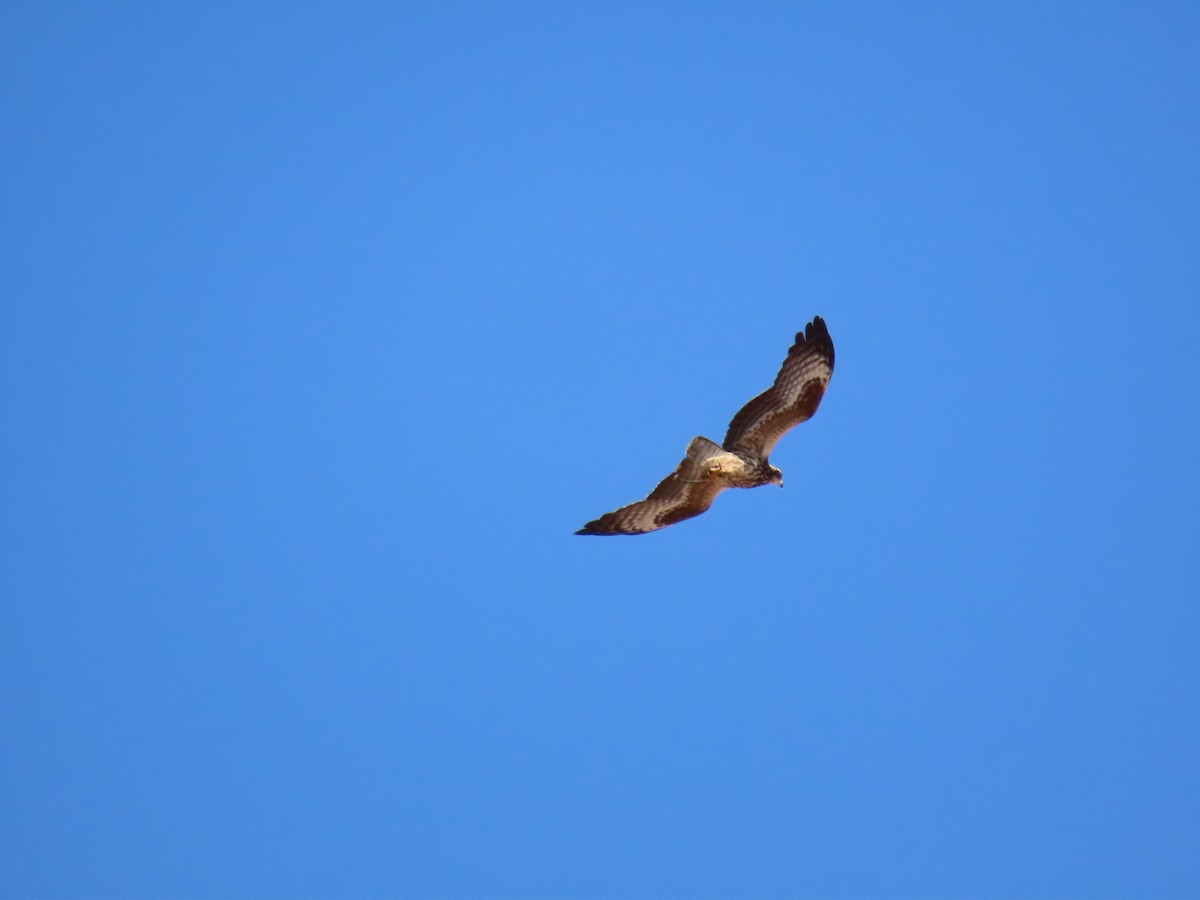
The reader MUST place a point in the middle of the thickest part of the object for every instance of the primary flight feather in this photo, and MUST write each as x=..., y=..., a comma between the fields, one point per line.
x=741, y=461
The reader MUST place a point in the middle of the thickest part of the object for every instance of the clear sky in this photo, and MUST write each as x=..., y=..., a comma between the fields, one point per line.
x=325, y=325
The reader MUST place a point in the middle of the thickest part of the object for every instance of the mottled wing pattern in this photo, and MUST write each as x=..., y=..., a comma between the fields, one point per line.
x=792, y=399
x=686, y=492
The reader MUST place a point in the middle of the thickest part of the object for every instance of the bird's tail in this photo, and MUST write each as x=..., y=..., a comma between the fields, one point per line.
x=701, y=448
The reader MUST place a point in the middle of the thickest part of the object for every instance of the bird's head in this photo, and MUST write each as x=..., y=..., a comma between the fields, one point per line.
x=774, y=476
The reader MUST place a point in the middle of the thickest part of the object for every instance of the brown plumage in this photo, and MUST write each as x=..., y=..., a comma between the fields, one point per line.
x=708, y=469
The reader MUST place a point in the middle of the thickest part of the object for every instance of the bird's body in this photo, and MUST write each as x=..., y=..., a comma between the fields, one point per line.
x=741, y=461
x=738, y=469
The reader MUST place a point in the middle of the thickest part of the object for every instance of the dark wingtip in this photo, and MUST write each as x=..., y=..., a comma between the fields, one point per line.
x=816, y=333
x=597, y=528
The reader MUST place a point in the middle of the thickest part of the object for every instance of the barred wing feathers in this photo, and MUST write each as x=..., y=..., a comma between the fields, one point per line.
x=686, y=492
x=792, y=399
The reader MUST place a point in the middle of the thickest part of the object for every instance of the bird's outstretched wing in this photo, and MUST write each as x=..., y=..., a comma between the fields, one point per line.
x=686, y=492
x=792, y=399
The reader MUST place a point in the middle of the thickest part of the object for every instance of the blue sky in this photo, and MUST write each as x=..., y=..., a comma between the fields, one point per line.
x=325, y=325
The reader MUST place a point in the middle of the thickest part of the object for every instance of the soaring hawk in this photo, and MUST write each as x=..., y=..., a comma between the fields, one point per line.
x=741, y=461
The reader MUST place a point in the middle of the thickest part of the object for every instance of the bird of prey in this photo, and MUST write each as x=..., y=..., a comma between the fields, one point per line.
x=741, y=461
